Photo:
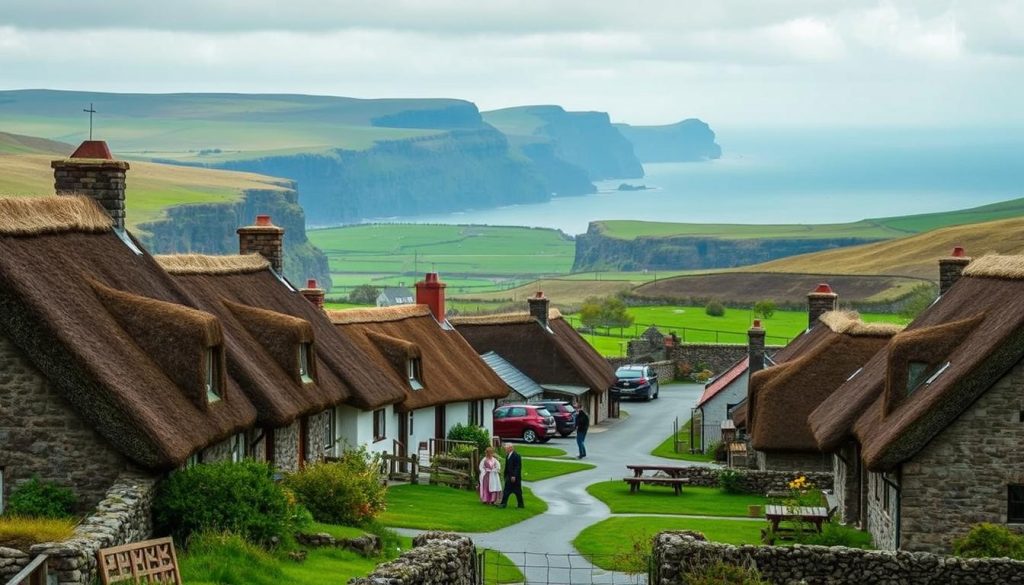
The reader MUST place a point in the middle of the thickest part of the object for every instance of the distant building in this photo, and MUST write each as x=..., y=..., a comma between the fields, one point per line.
x=394, y=296
x=520, y=387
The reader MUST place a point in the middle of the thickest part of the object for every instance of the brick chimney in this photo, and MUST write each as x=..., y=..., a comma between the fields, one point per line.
x=313, y=293
x=263, y=238
x=92, y=171
x=539, y=307
x=951, y=268
x=755, y=347
x=820, y=301
x=430, y=292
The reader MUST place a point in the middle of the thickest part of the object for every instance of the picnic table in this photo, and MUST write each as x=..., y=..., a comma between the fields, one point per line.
x=816, y=515
x=672, y=471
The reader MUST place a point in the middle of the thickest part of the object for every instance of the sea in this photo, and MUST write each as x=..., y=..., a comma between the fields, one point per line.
x=803, y=176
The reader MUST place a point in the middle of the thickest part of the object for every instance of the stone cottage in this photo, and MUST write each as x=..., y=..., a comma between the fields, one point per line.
x=444, y=380
x=813, y=366
x=547, y=349
x=927, y=437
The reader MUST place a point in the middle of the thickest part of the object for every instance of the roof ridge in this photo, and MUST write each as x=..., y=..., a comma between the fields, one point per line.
x=28, y=216
x=377, y=314
x=1008, y=267
x=212, y=265
x=502, y=318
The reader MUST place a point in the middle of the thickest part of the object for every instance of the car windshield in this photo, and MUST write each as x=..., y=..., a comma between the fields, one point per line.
x=543, y=412
x=629, y=374
x=569, y=408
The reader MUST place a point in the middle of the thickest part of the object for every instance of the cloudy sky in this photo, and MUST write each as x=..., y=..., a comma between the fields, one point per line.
x=731, y=62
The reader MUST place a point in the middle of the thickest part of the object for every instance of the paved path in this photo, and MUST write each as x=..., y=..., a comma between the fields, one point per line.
x=571, y=508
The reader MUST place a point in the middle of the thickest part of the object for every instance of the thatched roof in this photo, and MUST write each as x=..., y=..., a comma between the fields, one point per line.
x=451, y=371
x=557, y=355
x=204, y=264
x=977, y=327
x=112, y=333
x=739, y=415
x=780, y=398
x=266, y=320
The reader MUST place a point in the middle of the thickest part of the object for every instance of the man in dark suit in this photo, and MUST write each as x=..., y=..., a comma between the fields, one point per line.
x=513, y=476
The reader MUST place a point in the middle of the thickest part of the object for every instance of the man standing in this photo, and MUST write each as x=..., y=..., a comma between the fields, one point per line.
x=513, y=476
x=582, y=426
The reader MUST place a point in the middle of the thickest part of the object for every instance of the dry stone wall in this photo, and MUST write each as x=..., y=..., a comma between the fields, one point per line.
x=675, y=554
x=755, y=481
x=437, y=558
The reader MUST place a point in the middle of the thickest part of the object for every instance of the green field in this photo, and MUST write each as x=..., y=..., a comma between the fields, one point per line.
x=693, y=325
x=694, y=501
x=881, y=228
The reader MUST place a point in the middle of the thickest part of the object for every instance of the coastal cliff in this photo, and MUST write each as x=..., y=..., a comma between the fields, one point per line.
x=690, y=140
x=210, y=228
x=597, y=251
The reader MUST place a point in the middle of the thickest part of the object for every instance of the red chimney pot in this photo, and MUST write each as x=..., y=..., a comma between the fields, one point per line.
x=539, y=294
x=958, y=252
x=757, y=323
x=823, y=288
x=311, y=283
x=263, y=220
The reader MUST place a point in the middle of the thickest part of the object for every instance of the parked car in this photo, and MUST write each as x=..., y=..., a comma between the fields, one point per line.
x=529, y=422
x=636, y=381
x=564, y=413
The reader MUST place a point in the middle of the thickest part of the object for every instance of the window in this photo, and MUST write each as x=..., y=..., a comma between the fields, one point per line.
x=517, y=412
x=415, y=368
x=915, y=375
x=501, y=413
x=306, y=362
x=213, y=381
x=476, y=413
x=237, y=448
x=410, y=423
x=379, y=422
x=885, y=495
x=332, y=432
x=1015, y=501
x=194, y=459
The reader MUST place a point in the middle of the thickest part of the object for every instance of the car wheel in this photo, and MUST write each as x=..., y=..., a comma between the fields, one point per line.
x=530, y=436
x=657, y=391
x=649, y=395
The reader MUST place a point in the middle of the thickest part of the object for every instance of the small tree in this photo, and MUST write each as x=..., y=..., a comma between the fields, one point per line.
x=590, y=312
x=605, y=312
x=715, y=309
x=764, y=309
x=364, y=294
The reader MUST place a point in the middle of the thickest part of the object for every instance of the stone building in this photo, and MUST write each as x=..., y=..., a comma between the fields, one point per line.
x=927, y=436
x=542, y=345
x=781, y=396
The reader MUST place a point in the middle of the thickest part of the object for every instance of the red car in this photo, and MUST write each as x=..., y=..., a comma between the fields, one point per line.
x=529, y=422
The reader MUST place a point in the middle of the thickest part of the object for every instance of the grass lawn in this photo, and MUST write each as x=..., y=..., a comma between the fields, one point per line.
x=666, y=448
x=541, y=469
x=610, y=544
x=539, y=451
x=432, y=507
x=699, y=501
x=498, y=568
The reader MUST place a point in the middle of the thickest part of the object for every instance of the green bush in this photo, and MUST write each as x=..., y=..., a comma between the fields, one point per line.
x=471, y=433
x=731, y=481
x=835, y=534
x=721, y=573
x=990, y=540
x=241, y=498
x=350, y=491
x=764, y=309
x=41, y=499
x=715, y=309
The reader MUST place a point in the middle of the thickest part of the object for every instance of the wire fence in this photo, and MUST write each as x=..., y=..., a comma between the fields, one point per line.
x=564, y=569
x=685, y=334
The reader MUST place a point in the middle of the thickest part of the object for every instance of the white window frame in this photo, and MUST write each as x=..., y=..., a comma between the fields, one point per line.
x=414, y=368
x=380, y=415
x=306, y=362
x=213, y=386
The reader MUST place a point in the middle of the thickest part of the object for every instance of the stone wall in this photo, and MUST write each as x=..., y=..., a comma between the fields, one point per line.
x=318, y=435
x=677, y=553
x=960, y=478
x=286, y=447
x=42, y=435
x=847, y=484
x=716, y=357
x=122, y=517
x=790, y=462
x=437, y=558
x=754, y=481
x=882, y=508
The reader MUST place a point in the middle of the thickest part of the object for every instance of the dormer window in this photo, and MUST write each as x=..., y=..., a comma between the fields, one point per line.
x=915, y=375
x=213, y=381
x=306, y=362
x=415, y=367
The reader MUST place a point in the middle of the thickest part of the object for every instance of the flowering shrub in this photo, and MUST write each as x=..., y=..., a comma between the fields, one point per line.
x=350, y=491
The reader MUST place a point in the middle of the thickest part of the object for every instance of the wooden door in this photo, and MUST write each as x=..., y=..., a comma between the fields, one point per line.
x=440, y=424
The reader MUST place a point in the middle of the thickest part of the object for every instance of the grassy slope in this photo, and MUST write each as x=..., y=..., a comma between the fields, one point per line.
x=889, y=227
x=910, y=256
x=432, y=507
x=151, y=187
x=667, y=447
x=699, y=501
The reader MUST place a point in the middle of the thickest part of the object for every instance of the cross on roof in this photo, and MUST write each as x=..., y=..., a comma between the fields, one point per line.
x=91, y=111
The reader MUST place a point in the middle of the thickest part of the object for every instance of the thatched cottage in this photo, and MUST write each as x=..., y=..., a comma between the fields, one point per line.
x=445, y=382
x=547, y=349
x=927, y=437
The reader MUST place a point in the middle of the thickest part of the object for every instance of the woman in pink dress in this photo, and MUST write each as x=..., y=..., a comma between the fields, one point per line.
x=490, y=478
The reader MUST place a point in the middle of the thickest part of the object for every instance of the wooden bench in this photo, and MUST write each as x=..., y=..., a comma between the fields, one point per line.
x=675, y=482
x=149, y=561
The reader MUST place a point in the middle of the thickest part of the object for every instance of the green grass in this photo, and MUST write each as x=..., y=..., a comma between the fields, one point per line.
x=666, y=449
x=696, y=500
x=498, y=569
x=611, y=543
x=539, y=451
x=541, y=469
x=449, y=249
x=431, y=507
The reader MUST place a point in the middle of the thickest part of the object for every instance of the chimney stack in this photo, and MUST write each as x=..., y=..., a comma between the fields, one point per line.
x=92, y=171
x=820, y=301
x=313, y=293
x=263, y=238
x=755, y=347
x=430, y=292
x=951, y=268
x=539, y=307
